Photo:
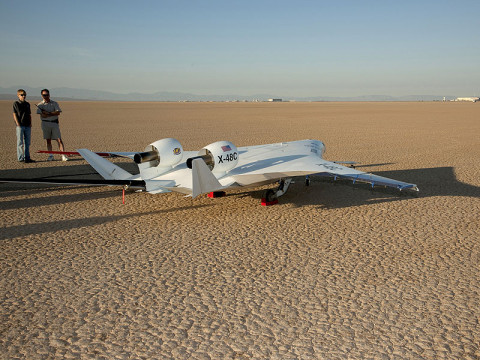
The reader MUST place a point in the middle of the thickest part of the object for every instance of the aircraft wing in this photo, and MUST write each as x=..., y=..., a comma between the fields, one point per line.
x=261, y=164
x=100, y=182
x=334, y=170
x=125, y=154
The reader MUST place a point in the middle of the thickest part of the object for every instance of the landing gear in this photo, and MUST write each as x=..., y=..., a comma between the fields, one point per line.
x=271, y=196
x=307, y=180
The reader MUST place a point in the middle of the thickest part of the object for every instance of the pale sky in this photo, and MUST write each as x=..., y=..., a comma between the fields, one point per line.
x=289, y=48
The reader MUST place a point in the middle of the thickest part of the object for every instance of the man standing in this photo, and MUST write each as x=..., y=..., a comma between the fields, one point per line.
x=49, y=111
x=23, y=120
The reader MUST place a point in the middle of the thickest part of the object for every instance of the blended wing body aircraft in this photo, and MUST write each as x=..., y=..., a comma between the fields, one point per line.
x=164, y=167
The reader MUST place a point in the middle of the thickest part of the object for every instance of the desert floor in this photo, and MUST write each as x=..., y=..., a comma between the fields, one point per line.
x=334, y=271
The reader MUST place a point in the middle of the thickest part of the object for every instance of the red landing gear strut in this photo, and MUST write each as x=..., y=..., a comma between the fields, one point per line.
x=216, y=194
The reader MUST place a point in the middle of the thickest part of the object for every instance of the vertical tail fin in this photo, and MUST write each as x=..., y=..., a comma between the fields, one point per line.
x=105, y=168
x=203, y=180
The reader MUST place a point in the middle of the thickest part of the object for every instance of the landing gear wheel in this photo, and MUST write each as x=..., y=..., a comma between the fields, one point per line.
x=269, y=196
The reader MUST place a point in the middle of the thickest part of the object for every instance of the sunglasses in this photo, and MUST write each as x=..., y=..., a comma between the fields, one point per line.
x=23, y=94
x=44, y=95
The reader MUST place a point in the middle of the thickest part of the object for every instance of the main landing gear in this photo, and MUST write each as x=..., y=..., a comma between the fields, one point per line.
x=307, y=180
x=270, y=196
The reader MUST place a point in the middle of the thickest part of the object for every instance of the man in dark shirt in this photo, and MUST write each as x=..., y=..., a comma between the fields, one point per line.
x=23, y=120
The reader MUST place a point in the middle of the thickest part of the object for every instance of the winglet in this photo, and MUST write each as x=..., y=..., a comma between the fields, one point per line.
x=203, y=181
x=105, y=168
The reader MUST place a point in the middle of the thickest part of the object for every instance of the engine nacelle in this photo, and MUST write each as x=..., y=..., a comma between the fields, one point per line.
x=165, y=152
x=220, y=157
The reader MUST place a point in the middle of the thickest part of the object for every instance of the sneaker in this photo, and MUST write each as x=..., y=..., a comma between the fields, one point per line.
x=50, y=157
x=29, y=161
x=64, y=158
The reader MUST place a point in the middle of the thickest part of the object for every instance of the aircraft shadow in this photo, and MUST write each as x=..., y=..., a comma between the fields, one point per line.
x=80, y=171
x=260, y=164
x=57, y=199
x=440, y=181
x=59, y=225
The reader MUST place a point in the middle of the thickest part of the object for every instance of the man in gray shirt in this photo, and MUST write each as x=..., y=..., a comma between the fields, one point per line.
x=49, y=111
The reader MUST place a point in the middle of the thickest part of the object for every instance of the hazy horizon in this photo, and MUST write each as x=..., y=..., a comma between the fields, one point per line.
x=301, y=49
x=66, y=94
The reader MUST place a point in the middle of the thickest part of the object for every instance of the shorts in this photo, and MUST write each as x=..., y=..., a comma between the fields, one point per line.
x=51, y=130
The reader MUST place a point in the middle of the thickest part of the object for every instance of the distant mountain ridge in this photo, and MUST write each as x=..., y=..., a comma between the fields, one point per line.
x=64, y=93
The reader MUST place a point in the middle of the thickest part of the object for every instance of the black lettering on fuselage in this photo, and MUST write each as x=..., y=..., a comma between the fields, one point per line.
x=228, y=157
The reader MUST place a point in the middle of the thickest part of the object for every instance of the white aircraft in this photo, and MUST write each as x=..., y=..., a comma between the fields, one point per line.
x=164, y=167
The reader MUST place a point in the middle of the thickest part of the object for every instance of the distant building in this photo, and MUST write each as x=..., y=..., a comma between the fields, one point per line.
x=472, y=99
x=275, y=100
